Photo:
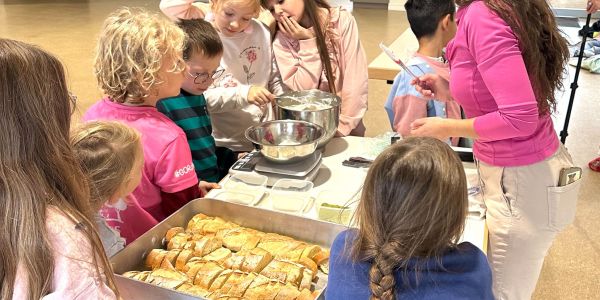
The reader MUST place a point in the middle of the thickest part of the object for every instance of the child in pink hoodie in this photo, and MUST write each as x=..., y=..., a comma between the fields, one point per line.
x=317, y=47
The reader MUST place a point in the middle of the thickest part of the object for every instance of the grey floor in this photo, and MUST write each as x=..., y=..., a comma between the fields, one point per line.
x=572, y=267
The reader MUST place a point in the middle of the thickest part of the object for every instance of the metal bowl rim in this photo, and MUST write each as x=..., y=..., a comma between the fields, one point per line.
x=320, y=129
x=337, y=104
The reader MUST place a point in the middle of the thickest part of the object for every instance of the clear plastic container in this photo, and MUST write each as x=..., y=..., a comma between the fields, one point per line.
x=290, y=195
x=244, y=188
x=332, y=208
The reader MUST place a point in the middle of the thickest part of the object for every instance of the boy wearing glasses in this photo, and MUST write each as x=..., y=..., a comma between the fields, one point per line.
x=202, y=53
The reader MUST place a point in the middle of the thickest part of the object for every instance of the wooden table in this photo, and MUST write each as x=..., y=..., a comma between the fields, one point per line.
x=383, y=68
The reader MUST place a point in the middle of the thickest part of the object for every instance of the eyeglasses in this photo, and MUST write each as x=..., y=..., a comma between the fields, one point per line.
x=201, y=78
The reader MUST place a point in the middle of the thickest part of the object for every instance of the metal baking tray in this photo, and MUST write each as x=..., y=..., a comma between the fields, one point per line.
x=132, y=257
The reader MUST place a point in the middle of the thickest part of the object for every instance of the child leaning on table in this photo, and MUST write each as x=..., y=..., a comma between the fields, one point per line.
x=410, y=217
x=202, y=54
x=243, y=95
x=138, y=62
x=432, y=22
x=317, y=47
x=111, y=155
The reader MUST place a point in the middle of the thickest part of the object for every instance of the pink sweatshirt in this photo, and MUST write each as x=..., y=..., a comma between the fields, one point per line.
x=75, y=275
x=168, y=163
x=301, y=69
x=489, y=80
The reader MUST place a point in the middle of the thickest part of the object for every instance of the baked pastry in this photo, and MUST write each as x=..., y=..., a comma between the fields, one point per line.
x=284, y=271
x=172, y=232
x=255, y=260
x=286, y=292
x=239, y=289
x=178, y=241
x=206, y=245
x=183, y=258
x=220, y=255
x=220, y=280
x=207, y=273
x=155, y=258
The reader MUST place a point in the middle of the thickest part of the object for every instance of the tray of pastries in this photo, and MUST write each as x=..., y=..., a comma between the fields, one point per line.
x=211, y=249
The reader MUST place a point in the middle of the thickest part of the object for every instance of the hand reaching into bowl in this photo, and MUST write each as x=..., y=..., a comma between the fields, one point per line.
x=259, y=96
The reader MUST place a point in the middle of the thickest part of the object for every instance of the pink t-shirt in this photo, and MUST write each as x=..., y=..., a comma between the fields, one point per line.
x=168, y=163
x=489, y=80
x=131, y=222
x=75, y=275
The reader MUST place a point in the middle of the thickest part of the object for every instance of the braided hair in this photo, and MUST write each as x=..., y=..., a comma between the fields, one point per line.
x=412, y=210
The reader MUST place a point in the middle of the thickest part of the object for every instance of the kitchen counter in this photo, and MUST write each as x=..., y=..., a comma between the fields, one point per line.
x=347, y=182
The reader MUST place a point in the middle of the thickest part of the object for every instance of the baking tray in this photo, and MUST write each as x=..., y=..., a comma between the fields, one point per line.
x=132, y=257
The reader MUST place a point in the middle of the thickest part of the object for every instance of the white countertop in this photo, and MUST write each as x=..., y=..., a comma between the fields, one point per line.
x=347, y=182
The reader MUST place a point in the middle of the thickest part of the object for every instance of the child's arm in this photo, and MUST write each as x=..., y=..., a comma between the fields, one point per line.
x=224, y=99
x=174, y=174
x=355, y=76
x=184, y=9
x=300, y=70
x=403, y=106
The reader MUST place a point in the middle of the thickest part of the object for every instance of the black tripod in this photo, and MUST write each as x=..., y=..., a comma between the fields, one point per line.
x=574, y=86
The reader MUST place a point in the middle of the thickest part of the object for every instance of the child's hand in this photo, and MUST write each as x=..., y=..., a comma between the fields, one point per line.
x=433, y=86
x=593, y=6
x=291, y=28
x=432, y=127
x=205, y=187
x=259, y=96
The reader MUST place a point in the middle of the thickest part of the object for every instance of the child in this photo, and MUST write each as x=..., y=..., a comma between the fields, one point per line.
x=410, y=218
x=50, y=249
x=139, y=61
x=202, y=53
x=242, y=96
x=317, y=47
x=111, y=155
x=432, y=21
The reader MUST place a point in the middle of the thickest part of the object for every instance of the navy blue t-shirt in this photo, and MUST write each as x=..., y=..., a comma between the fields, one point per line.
x=464, y=273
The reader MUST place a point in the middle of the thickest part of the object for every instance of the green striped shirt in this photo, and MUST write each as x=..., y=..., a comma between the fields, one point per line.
x=190, y=113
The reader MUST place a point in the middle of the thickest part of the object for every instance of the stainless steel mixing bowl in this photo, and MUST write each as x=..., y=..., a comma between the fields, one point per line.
x=313, y=106
x=285, y=141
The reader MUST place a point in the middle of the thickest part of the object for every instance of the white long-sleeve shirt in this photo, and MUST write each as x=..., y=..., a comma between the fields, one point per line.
x=248, y=61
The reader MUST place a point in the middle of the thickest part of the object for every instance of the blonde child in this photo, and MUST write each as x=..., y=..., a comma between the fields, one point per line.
x=410, y=217
x=139, y=61
x=242, y=96
x=49, y=247
x=111, y=155
x=317, y=47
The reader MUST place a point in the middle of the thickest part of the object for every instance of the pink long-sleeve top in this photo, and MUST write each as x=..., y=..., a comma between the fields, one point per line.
x=75, y=275
x=301, y=68
x=490, y=81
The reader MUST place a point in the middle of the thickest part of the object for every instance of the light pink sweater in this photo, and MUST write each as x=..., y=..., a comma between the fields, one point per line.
x=301, y=68
x=75, y=275
x=489, y=80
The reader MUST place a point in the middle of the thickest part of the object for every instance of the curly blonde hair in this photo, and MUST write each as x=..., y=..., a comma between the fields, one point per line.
x=132, y=47
x=107, y=152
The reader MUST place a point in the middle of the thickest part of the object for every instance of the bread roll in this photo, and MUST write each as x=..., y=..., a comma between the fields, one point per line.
x=183, y=258
x=287, y=292
x=255, y=260
x=207, y=274
x=172, y=232
x=239, y=289
x=220, y=280
x=220, y=255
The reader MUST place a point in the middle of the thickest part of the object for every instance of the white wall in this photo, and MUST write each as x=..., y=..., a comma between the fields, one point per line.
x=396, y=5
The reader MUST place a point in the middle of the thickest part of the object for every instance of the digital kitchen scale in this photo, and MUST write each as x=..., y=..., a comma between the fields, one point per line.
x=306, y=169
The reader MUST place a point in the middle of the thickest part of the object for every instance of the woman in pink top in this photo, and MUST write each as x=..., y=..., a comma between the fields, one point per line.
x=503, y=74
x=49, y=247
x=317, y=47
